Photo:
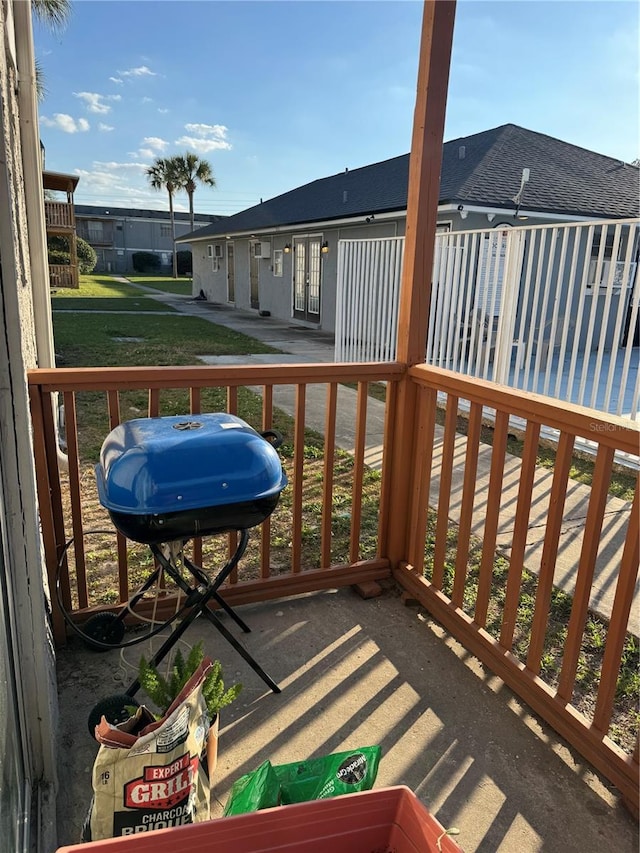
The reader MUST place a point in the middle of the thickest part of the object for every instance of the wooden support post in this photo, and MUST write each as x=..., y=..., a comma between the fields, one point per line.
x=415, y=294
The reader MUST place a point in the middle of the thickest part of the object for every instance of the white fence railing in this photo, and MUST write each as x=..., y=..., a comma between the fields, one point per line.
x=550, y=309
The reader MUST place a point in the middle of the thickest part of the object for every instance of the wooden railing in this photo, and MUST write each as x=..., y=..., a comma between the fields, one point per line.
x=68, y=502
x=451, y=563
x=470, y=570
x=63, y=275
x=59, y=216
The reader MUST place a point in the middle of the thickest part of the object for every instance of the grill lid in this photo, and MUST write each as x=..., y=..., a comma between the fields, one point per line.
x=185, y=462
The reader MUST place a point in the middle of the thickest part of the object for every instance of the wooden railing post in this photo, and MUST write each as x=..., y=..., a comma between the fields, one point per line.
x=422, y=210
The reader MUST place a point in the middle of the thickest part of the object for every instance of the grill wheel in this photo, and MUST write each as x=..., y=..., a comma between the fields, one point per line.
x=115, y=708
x=105, y=629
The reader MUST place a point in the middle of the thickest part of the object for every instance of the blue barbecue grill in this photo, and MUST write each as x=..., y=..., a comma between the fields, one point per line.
x=166, y=480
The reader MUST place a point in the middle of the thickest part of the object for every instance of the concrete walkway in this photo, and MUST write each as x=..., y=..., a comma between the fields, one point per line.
x=301, y=344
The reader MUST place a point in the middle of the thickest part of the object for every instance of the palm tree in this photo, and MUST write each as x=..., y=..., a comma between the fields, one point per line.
x=164, y=175
x=192, y=171
x=54, y=13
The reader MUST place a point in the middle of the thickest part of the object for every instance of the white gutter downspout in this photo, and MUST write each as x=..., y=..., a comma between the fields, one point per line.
x=34, y=194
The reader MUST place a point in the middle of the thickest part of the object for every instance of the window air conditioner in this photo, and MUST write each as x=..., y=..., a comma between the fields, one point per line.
x=623, y=275
x=262, y=250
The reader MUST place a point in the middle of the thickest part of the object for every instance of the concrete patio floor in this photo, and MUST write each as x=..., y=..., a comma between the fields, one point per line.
x=355, y=673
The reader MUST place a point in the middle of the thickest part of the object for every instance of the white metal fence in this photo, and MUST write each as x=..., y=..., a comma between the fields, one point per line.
x=551, y=309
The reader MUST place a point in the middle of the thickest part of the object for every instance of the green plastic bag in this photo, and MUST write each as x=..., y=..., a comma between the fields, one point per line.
x=303, y=781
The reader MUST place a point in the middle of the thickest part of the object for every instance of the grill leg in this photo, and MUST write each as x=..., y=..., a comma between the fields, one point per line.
x=201, y=608
x=255, y=666
x=232, y=613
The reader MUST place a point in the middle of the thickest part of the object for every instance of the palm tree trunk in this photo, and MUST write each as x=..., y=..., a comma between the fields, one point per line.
x=191, y=208
x=173, y=234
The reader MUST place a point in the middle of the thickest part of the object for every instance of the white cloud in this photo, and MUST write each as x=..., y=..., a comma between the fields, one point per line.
x=206, y=129
x=147, y=100
x=126, y=182
x=105, y=128
x=116, y=79
x=141, y=71
x=94, y=102
x=205, y=137
x=65, y=123
x=155, y=142
x=112, y=166
x=163, y=110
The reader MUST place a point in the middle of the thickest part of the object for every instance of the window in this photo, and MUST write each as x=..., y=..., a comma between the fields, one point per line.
x=165, y=231
x=277, y=262
x=94, y=229
x=602, y=259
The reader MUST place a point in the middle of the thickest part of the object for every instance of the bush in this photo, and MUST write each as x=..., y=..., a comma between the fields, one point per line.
x=59, y=253
x=87, y=258
x=145, y=262
x=184, y=262
x=57, y=256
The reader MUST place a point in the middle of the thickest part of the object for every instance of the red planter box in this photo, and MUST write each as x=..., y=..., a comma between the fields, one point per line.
x=389, y=819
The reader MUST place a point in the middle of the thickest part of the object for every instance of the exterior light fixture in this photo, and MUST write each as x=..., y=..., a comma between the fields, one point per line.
x=324, y=248
x=287, y=248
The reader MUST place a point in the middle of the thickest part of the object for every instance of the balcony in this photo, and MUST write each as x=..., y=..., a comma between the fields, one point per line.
x=63, y=275
x=427, y=669
x=59, y=217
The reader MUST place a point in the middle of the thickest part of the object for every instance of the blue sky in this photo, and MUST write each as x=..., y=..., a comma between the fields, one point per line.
x=277, y=94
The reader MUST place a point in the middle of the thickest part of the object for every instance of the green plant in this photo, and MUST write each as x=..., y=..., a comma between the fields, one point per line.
x=58, y=248
x=162, y=691
x=145, y=261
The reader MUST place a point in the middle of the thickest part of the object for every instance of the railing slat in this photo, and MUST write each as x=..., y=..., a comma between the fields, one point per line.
x=520, y=528
x=154, y=402
x=327, y=485
x=616, y=633
x=76, y=499
x=232, y=538
x=298, y=474
x=555, y=514
x=358, y=471
x=444, y=496
x=466, y=509
x=423, y=449
x=48, y=489
x=265, y=529
x=195, y=408
x=113, y=404
x=586, y=567
x=490, y=534
x=385, y=485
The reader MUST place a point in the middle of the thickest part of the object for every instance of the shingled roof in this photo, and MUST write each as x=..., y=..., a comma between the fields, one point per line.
x=98, y=211
x=484, y=169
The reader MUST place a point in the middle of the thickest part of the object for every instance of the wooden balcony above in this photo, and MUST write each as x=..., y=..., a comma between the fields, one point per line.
x=59, y=217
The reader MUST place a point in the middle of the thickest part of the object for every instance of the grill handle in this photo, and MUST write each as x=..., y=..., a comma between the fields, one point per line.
x=274, y=437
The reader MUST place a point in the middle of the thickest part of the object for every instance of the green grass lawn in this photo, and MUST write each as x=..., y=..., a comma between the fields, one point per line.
x=100, y=339
x=180, y=286
x=91, y=340
x=102, y=293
